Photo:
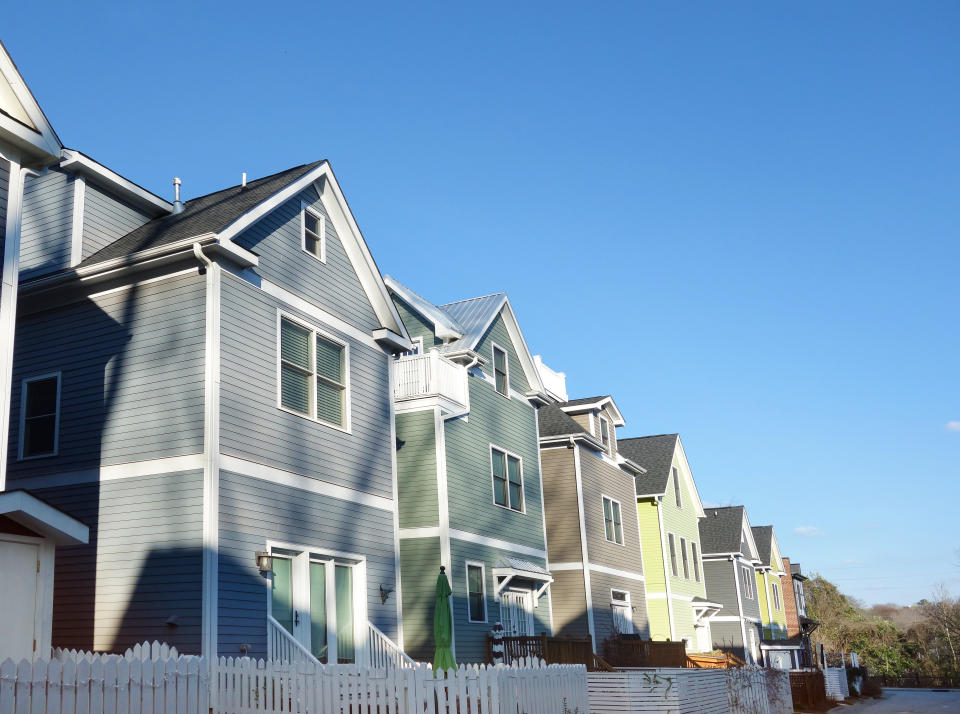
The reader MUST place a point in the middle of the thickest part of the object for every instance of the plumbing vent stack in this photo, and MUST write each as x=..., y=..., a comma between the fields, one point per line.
x=177, y=206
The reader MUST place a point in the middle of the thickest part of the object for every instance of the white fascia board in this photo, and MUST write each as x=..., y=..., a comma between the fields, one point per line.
x=599, y=404
x=570, y=439
x=630, y=464
x=445, y=327
x=391, y=340
x=754, y=554
x=31, y=512
x=76, y=162
x=44, y=138
x=519, y=343
x=691, y=483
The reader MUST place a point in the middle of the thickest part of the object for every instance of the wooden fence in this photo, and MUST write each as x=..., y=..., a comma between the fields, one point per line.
x=628, y=652
x=808, y=690
x=84, y=683
x=552, y=650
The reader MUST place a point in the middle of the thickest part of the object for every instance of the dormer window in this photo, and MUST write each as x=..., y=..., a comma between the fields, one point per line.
x=604, y=433
x=500, y=375
x=313, y=232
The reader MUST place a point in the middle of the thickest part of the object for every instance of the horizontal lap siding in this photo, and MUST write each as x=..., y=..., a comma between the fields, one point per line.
x=420, y=563
x=497, y=332
x=684, y=523
x=569, y=604
x=253, y=511
x=659, y=618
x=600, y=585
x=727, y=635
x=4, y=194
x=683, y=622
x=560, y=505
x=333, y=285
x=417, y=326
x=471, y=636
x=252, y=425
x=601, y=479
x=132, y=364
x=721, y=588
x=751, y=606
x=510, y=425
x=417, y=470
x=106, y=218
x=142, y=566
x=46, y=223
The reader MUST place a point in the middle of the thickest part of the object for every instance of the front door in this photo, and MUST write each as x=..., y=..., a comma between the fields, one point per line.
x=703, y=639
x=516, y=613
x=18, y=593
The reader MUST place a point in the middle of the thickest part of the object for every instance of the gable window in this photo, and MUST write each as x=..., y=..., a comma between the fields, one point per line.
x=313, y=232
x=604, y=433
x=676, y=487
x=686, y=560
x=746, y=582
x=500, y=376
x=776, y=596
x=695, y=555
x=620, y=606
x=39, y=416
x=673, y=554
x=416, y=348
x=476, y=593
x=612, y=523
x=507, y=479
x=313, y=374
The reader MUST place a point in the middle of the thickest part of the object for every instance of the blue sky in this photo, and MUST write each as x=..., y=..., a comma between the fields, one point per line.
x=740, y=219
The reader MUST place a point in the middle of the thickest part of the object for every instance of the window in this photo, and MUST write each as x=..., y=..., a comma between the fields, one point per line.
x=798, y=596
x=417, y=348
x=507, y=479
x=501, y=378
x=313, y=232
x=776, y=596
x=746, y=581
x=695, y=556
x=622, y=617
x=604, y=433
x=476, y=593
x=686, y=560
x=313, y=374
x=676, y=487
x=673, y=554
x=39, y=416
x=612, y=523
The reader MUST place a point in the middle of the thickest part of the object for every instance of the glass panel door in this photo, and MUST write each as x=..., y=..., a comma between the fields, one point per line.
x=318, y=610
x=281, y=606
x=515, y=613
x=345, y=622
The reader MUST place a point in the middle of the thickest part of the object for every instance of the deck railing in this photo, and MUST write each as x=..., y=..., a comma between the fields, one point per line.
x=429, y=375
x=634, y=652
x=384, y=652
x=284, y=647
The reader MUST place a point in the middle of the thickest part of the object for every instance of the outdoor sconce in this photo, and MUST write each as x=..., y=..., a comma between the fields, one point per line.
x=384, y=594
x=264, y=561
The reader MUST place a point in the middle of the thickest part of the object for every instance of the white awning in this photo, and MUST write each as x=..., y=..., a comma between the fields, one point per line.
x=510, y=568
x=42, y=518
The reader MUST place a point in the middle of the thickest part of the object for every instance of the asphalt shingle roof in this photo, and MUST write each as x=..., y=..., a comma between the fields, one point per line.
x=721, y=530
x=655, y=454
x=554, y=422
x=585, y=400
x=204, y=214
x=763, y=535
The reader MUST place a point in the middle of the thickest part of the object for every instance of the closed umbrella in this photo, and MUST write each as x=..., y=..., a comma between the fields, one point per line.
x=442, y=626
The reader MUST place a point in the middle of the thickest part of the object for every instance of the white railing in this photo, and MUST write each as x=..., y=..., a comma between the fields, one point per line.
x=283, y=647
x=430, y=375
x=384, y=652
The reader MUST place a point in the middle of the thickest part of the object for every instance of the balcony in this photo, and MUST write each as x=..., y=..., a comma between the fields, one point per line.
x=430, y=379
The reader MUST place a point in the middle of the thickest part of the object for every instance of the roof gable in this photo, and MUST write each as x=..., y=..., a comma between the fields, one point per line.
x=22, y=121
x=444, y=326
x=655, y=454
x=727, y=530
x=584, y=404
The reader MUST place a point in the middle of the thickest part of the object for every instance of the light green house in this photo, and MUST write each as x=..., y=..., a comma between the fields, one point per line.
x=669, y=512
x=773, y=613
x=468, y=472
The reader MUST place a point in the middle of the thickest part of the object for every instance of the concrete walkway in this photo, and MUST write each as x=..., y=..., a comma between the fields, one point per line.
x=907, y=701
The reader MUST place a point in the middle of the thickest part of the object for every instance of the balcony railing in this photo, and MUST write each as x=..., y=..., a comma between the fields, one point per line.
x=430, y=375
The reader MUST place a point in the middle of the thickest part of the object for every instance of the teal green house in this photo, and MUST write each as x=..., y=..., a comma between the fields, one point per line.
x=468, y=473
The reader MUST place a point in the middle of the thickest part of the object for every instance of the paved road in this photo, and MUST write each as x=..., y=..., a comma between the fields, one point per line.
x=907, y=701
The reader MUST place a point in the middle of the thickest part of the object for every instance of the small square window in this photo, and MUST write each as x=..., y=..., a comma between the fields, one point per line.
x=40, y=416
x=313, y=232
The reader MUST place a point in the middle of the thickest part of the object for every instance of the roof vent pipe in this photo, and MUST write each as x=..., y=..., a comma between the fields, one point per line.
x=243, y=179
x=177, y=206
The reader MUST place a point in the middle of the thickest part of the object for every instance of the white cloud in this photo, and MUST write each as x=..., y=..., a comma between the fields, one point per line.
x=953, y=426
x=808, y=531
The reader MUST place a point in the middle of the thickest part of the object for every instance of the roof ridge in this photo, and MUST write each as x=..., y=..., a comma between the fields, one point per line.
x=648, y=436
x=256, y=180
x=479, y=297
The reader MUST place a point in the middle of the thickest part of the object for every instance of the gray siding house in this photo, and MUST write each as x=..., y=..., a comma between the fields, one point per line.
x=222, y=420
x=730, y=559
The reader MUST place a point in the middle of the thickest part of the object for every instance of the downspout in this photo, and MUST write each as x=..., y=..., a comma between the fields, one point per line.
x=211, y=456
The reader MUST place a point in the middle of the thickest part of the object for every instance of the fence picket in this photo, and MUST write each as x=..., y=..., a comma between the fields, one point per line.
x=96, y=686
x=110, y=686
x=54, y=672
x=83, y=686
x=123, y=686
x=157, y=666
x=68, y=687
x=38, y=694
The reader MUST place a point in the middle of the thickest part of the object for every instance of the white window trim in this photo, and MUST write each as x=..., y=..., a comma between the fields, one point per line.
x=677, y=488
x=322, y=220
x=603, y=518
x=777, y=601
x=676, y=555
x=748, y=584
x=608, y=447
x=346, y=428
x=483, y=586
x=684, y=558
x=697, y=563
x=523, y=486
x=360, y=615
x=506, y=367
x=628, y=604
x=23, y=417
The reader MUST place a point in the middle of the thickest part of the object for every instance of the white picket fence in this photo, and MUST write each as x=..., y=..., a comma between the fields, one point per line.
x=152, y=679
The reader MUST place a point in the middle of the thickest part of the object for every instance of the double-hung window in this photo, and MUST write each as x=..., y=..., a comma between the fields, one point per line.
x=695, y=555
x=620, y=605
x=313, y=232
x=612, y=522
x=671, y=541
x=507, y=479
x=604, y=433
x=676, y=487
x=313, y=374
x=776, y=596
x=500, y=373
x=476, y=593
x=683, y=555
x=746, y=580
x=39, y=416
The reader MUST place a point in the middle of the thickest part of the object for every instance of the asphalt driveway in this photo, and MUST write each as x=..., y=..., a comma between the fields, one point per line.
x=907, y=701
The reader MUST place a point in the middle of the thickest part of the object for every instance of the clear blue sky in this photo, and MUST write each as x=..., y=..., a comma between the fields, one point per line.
x=740, y=219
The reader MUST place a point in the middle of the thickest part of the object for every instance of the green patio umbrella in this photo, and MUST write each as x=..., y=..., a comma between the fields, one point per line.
x=442, y=626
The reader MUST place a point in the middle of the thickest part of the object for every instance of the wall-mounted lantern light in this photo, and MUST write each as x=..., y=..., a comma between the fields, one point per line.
x=264, y=561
